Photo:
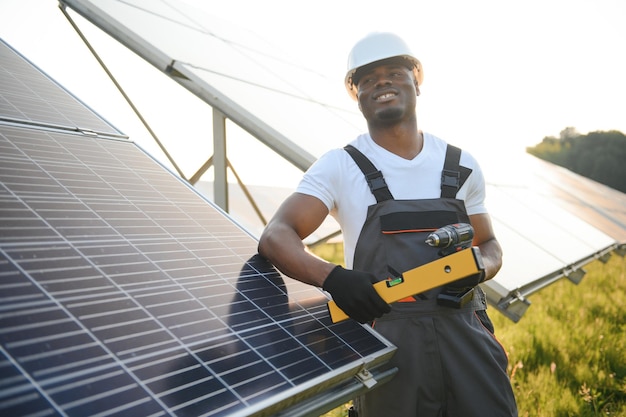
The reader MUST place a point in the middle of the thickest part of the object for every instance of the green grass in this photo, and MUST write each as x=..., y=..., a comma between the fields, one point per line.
x=567, y=355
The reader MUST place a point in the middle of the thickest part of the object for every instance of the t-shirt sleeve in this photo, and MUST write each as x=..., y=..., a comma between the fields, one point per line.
x=475, y=192
x=319, y=177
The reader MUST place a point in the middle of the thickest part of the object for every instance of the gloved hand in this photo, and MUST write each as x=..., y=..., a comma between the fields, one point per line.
x=354, y=293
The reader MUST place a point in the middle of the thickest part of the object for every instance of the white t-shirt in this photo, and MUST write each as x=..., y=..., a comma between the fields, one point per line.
x=338, y=182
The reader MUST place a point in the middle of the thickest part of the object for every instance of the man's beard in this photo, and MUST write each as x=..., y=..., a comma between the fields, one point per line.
x=390, y=114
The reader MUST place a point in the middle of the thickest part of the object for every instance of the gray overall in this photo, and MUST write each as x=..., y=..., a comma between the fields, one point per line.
x=450, y=364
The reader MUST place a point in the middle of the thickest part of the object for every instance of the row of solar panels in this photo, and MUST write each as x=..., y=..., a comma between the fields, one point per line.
x=124, y=291
x=549, y=221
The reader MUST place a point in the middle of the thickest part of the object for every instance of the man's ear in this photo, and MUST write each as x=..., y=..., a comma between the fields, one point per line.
x=417, y=88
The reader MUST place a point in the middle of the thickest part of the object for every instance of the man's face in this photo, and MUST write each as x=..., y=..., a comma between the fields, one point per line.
x=387, y=94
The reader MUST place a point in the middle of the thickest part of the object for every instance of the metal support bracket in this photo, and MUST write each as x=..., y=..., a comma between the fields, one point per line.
x=366, y=378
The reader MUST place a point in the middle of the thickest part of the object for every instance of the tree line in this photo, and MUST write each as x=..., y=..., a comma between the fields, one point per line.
x=600, y=156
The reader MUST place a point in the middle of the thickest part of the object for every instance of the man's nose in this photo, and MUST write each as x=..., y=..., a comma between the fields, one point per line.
x=383, y=80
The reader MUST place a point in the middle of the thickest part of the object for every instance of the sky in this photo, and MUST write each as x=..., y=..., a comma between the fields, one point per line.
x=499, y=75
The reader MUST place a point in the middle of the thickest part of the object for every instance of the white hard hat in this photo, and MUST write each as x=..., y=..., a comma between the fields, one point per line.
x=375, y=47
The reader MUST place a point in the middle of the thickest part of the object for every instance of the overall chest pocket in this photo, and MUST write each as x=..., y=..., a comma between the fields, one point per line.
x=404, y=234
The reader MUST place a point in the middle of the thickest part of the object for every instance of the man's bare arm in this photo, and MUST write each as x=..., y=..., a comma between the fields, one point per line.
x=281, y=241
x=485, y=239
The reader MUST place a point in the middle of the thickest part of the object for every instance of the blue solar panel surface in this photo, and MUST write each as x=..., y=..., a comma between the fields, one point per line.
x=124, y=292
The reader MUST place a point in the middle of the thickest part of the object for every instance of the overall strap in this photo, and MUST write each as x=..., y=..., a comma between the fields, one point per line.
x=374, y=177
x=453, y=175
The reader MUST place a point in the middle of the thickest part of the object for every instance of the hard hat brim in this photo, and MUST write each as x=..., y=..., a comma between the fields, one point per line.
x=352, y=77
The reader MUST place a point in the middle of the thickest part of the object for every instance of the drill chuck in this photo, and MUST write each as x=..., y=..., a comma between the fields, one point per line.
x=452, y=234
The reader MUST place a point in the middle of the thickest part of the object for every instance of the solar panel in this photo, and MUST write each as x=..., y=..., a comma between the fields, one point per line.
x=28, y=97
x=550, y=222
x=124, y=292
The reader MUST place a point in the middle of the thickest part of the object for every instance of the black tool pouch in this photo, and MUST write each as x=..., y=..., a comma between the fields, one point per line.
x=455, y=298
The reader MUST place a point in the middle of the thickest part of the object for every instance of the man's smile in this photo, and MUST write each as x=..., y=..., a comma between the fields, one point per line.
x=385, y=96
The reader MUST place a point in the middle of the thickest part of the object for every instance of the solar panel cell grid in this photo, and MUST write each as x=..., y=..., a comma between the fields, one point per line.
x=122, y=298
x=124, y=292
x=28, y=95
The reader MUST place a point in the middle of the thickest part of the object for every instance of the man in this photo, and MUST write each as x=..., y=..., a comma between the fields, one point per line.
x=392, y=187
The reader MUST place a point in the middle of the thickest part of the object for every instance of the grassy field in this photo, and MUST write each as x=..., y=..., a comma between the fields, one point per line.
x=567, y=355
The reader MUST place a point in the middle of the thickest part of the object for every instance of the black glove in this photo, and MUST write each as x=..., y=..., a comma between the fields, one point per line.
x=354, y=293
